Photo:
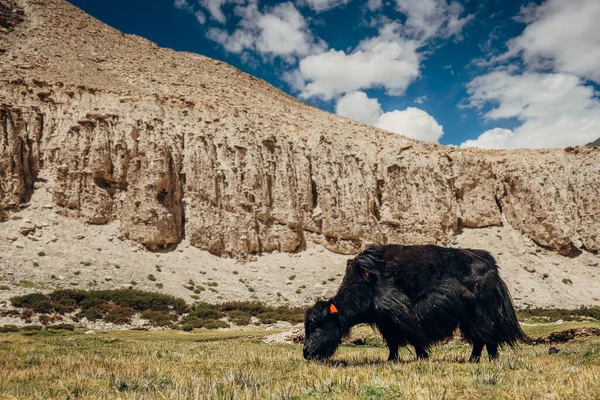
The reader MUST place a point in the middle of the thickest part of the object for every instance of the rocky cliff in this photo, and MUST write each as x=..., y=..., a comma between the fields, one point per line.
x=175, y=145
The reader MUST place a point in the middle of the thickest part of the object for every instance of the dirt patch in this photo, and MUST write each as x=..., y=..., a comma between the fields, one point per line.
x=568, y=335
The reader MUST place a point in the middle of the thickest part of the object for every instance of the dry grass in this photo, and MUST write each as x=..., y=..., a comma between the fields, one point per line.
x=238, y=365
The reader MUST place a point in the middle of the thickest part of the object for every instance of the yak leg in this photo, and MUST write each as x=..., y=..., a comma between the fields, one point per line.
x=492, y=349
x=393, y=346
x=421, y=352
x=391, y=339
x=476, y=353
x=400, y=322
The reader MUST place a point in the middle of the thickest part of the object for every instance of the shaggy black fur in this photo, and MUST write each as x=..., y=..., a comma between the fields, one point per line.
x=417, y=295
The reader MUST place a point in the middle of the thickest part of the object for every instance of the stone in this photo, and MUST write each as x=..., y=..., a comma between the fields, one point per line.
x=26, y=227
x=78, y=236
x=529, y=269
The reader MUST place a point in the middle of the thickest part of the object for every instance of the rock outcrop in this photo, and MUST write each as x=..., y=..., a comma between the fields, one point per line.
x=176, y=145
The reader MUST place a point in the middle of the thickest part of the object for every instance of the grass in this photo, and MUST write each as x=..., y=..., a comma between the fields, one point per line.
x=4, y=287
x=30, y=285
x=238, y=364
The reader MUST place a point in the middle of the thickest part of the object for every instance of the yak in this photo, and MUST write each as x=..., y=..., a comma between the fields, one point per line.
x=417, y=295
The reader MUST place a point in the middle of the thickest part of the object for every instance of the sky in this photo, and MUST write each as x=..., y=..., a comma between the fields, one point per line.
x=472, y=73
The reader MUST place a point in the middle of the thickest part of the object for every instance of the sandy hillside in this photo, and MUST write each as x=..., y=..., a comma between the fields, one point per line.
x=83, y=256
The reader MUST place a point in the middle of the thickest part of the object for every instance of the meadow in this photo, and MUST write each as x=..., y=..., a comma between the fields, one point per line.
x=238, y=364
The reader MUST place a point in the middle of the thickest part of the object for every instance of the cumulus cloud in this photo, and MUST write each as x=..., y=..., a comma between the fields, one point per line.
x=358, y=106
x=497, y=138
x=562, y=35
x=429, y=18
x=183, y=5
x=323, y=5
x=555, y=109
x=412, y=122
x=388, y=61
x=281, y=31
x=215, y=8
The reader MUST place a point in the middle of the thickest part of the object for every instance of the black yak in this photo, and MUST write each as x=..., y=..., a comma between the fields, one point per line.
x=417, y=295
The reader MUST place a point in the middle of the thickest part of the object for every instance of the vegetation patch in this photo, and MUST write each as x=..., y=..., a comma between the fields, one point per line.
x=119, y=307
x=554, y=314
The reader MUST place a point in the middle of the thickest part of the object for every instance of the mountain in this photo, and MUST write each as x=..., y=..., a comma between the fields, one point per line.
x=595, y=143
x=175, y=146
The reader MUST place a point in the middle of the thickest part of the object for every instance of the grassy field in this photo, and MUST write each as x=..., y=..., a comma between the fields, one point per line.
x=238, y=365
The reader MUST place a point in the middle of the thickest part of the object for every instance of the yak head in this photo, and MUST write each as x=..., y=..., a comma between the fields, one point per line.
x=323, y=331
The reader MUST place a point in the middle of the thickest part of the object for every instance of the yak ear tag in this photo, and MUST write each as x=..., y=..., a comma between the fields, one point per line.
x=366, y=273
x=333, y=309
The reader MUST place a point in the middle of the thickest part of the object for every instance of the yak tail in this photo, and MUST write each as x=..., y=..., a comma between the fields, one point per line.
x=495, y=313
x=509, y=329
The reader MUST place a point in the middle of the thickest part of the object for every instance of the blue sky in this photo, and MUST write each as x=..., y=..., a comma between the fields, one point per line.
x=491, y=73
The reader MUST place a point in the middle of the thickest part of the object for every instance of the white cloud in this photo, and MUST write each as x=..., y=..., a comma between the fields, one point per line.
x=412, y=122
x=387, y=60
x=215, y=8
x=200, y=17
x=563, y=35
x=280, y=32
x=183, y=5
x=374, y=5
x=497, y=138
x=358, y=106
x=421, y=99
x=555, y=110
x=428, y=18
x=324, y=5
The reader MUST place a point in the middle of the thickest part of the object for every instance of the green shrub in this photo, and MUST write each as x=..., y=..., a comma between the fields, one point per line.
x=159, y=285
x=292, y=277
x=151, y=278
x=239, y=317
x=41, y=253
x=4, y=287
x=216, y=325
x=119, y=315
x=159, y=318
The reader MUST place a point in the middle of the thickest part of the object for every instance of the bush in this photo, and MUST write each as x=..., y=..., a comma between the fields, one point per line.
x=119, y=315
x=151, y=278
x=159, y=318
x=116, y=306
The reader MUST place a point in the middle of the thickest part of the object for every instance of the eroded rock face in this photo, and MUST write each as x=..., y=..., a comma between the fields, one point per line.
x=176, y=145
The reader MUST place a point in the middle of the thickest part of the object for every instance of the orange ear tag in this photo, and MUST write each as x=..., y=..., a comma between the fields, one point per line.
x=333, y=309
